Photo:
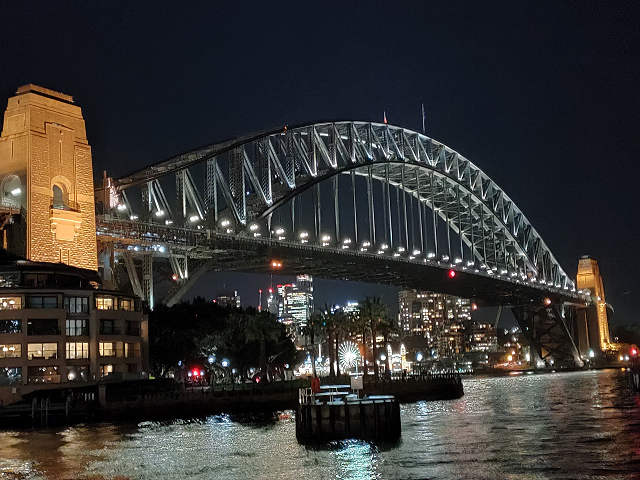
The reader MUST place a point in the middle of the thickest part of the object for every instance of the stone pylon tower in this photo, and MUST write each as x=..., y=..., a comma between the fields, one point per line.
x=593, y=324
x=47, y=208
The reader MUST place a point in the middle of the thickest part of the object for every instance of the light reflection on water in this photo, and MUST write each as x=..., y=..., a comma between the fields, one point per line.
x=570, y=425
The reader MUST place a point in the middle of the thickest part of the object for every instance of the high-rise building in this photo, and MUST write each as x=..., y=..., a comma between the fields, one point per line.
x=483, y=338
x=229, y=299
x=440, y=318
x=295, y=302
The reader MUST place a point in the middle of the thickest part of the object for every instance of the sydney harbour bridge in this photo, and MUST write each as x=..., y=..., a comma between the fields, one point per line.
x=342, y=200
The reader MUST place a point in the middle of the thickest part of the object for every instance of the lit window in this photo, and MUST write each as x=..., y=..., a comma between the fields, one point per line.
x=105, y=370
x=42, y=350
x=104, y=303
x=10, y=303
x=127, y=304
x=11, y=350
x=77, y=350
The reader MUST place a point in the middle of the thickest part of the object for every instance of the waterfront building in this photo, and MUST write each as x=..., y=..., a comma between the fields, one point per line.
x=483, y=338
x=58, y=326
x=440, y=318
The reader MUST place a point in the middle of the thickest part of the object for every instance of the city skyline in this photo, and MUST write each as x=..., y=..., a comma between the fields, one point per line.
x=546, y=105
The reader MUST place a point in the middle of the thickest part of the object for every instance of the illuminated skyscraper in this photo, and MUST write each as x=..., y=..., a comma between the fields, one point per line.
x=295, y=302
x=438, y=317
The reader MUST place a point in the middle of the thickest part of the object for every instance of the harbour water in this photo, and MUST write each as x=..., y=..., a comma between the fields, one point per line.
x=548, y=426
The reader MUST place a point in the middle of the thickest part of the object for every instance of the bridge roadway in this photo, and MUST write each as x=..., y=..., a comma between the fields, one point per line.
x=256, y=255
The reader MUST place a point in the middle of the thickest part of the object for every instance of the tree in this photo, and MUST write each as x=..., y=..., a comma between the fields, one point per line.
x=388, y=326
x=311, y=331
x=263, y=328
x=372, y=311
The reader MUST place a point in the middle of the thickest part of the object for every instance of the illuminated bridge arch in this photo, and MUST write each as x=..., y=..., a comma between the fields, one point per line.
x=373, y=188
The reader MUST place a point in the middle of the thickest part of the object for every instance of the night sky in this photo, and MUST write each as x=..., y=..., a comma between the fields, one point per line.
x=543, y=96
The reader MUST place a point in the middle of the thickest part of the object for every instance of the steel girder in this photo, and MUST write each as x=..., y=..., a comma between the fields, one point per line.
x=257, y=174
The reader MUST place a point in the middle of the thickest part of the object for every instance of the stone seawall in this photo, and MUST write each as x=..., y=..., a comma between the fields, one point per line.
x=159, y=400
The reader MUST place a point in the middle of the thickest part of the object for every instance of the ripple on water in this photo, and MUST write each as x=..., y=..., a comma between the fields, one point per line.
x=575, y=425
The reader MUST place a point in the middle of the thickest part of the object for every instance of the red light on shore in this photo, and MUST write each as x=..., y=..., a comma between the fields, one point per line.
x=634, y=352
x=474, y=306
x=451, y=273
x=547, y=301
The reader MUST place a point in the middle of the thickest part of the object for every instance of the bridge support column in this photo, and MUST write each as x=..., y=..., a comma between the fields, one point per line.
x=551, y=333
x=147, y=278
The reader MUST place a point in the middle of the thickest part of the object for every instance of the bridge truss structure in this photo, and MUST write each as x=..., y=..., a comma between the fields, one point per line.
x=346, y=200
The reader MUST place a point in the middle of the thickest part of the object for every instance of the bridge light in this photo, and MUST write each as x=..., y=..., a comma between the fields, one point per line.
x=503, y=271
x=304, y=234
x=326, y=239
x=411, y=257
x=121, y=207
x=257, y=234
x=469, y=263
x=194, y=218
x=416, y=252
x=16, y=191
x=254, y=227
x=133, y=217
x=400, y=249
x=168, y=222
x=451, y=273
x=445, y=258
x=225, y=223
x=384, y=246
x=279, y=231
x=431, y=255
x=366, y=244
x=457, y=260
x=174, y=277
x=396, y=254
x=346, y=241
x=159, y=213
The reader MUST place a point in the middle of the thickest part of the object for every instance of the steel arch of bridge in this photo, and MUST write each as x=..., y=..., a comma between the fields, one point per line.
x=262, y=172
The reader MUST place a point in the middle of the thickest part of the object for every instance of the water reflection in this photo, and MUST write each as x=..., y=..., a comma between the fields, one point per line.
x=574, y=425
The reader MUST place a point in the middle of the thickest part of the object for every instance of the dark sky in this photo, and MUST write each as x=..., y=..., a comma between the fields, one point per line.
x=543, y=96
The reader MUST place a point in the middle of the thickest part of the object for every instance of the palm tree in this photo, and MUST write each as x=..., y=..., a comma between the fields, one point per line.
x=388, y=326
x=372, y=311
x=261, y=327
x=314, y=329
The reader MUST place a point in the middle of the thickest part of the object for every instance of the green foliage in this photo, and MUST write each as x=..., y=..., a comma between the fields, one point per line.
x=189, y=331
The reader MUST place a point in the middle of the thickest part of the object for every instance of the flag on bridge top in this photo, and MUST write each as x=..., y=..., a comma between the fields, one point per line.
x=385, y=116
